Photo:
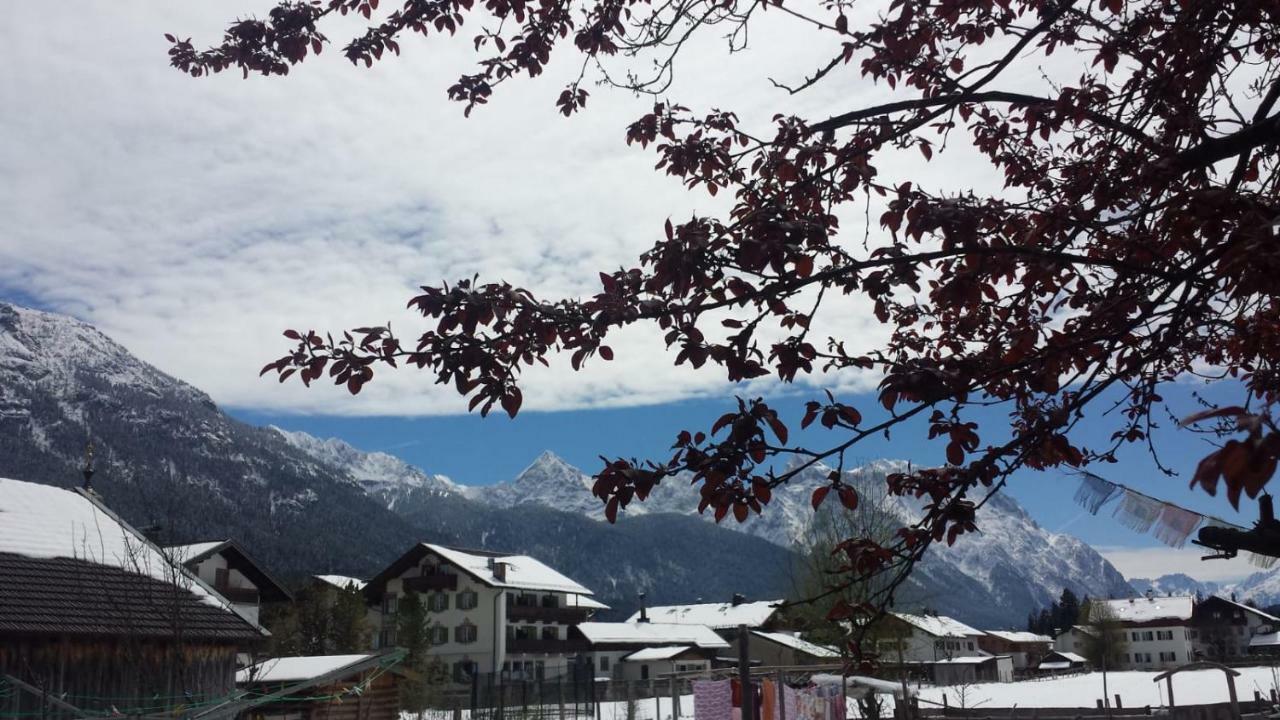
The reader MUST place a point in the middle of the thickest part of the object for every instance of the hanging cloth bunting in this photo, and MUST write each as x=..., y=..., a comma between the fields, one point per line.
x=1094, y=492
x=1138, y=512
x=1175, y=525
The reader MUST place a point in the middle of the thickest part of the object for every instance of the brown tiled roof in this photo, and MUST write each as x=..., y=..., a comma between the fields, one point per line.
x=41, y=596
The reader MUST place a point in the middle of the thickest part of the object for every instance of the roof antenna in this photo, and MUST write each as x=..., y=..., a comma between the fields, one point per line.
x=87, y=470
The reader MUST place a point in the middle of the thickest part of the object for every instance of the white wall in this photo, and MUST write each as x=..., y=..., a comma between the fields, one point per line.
x=1145, y=644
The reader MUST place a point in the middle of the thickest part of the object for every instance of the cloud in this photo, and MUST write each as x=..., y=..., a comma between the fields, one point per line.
x=1152, y=562
x=194, y=220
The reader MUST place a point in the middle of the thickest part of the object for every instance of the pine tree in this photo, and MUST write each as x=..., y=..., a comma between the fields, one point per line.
x=1069, y=609
x=348, y=629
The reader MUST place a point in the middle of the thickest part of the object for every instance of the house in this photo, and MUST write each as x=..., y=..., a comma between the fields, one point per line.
x=970, y=669
x=608, y=644
x=784, y=648
x=1157, y=629
x=226, y=566
x=1073, y=640
x=902, y=637
x=653, y=662
x=1025, y=648
x=323, y=687
x=1223, y=629
x=95, y=616
x=491, y=612
x=724, y=617
x=1056, y=662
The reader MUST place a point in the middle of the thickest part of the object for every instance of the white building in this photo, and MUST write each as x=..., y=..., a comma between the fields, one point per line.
x=1223, y=629
x=490, y=612
x=228, y=567
x=610, y=646
x=1158, y=631
x=925, y=638
x=1073, y=640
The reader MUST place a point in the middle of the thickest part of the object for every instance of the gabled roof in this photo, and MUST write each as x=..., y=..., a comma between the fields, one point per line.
x=648, y=633
x=798, y=644
x=72, y=566
x=237, y=557
x=342, y=582
x=938, y=625
x=1145, y=610
x=1267, y=617
x=714, y=615
x=651, y=654
x=584, y=601
x=522, y=572
x=1019, y=636
x=292, y=669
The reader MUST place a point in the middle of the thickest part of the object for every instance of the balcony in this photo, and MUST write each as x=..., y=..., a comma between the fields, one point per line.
x=427, y=583
x=538, y=645
x=243, y=596
x=537, y=613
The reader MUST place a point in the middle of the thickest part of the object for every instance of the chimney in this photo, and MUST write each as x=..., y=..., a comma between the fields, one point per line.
x=738, y=599
x=644, y=613
x=1150, y=595
x=499, y=570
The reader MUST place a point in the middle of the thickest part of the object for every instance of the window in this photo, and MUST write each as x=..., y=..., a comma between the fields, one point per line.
x=550, y=632
x=389, y=604
x=1164, y=634
x=439, y=635
x=550, y=601
x=1135, y=636
x=1168, y=657
x=644, y=672
x=604, y=662
x=464, y=633
x=468, y=599
x=522, y=632
x=970, y=646
x=1148, y=636
x=539, y=670
x=439, y=602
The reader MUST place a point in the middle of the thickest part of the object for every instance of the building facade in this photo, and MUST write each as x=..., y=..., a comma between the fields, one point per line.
x=1158, y=632
x=1223, y=630
x=228, y=568
x=1025, y=649
x=489, y=612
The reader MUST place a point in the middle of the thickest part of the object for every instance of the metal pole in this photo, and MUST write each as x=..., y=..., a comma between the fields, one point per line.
x=744, y=674
x=782, y=697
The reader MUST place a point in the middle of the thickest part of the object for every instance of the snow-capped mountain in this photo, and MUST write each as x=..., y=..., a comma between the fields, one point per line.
x=386, y=477
x=995, y=578
x=1177, y=584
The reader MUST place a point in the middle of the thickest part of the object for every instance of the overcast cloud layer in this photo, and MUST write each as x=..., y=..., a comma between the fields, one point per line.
x=193, y=220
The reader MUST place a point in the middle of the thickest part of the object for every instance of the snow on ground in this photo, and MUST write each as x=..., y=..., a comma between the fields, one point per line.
x=1136, y=689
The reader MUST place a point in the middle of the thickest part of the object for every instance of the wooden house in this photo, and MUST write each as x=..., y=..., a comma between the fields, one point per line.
x=328, y=687
x=232, y=572
x=94, y=618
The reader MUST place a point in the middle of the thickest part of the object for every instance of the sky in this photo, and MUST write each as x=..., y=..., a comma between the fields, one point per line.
x=195, y=220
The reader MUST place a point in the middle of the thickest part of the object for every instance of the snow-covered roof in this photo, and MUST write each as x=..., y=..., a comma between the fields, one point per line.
x=968, y=660
x=1265, y=616
x=1143, y=609
x=522, y=572
x=584, y=601
x=650, y=654
x=650, y=633
x=1019, y=636
x=42, y=521
x=1059, y=665
x=796, y=643
x=713, y=615
x=289, y=669
x=342, y=582
x=1073, y=657
x=1265, y=640
x=938, y=625
x=183, y=553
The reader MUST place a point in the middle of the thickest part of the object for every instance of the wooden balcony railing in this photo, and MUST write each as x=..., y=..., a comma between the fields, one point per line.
x=538, y=645
x=564, y=616
x=244, y=596
x=426, y=583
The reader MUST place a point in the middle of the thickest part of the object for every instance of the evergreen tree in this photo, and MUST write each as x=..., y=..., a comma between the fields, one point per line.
x=1069, y=610
x=426, y=673
x=348, y=629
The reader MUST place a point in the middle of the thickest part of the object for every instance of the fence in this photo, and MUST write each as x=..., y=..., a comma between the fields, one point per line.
x=574, y=696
